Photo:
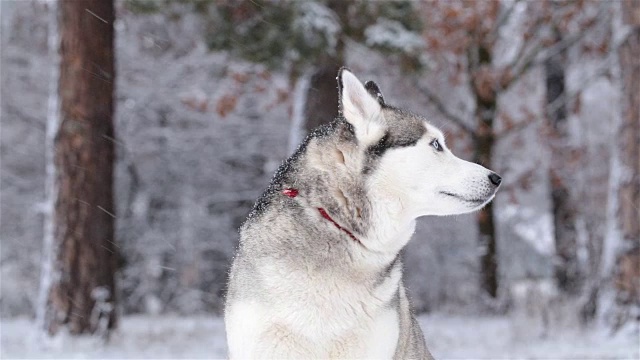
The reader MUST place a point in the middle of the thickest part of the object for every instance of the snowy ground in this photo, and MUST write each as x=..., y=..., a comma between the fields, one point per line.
x=449, y=337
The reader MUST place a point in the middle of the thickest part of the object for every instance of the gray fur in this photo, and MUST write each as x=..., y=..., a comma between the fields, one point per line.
x=288, y=232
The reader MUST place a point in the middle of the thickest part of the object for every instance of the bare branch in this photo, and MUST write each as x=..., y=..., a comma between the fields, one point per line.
x=504, y=17
x=601, y=71
x=527, y=62
x=562, y=45
x=540, y=54
x=442, y=109
x=562, y=99
x=569, y=97
x=534, y=28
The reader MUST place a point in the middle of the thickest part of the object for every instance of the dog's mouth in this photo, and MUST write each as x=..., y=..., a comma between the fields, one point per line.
x=474, y=201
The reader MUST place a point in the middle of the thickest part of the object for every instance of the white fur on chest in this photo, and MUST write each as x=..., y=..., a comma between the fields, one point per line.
x=255, y=332
x=315, y=316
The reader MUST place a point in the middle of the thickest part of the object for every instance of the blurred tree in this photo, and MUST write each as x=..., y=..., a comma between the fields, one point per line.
x=468, y=39
x=321, y=89
x=78, y=286
x=573, y=276
x=627, y=277
x=567, y=266
x=306, y=39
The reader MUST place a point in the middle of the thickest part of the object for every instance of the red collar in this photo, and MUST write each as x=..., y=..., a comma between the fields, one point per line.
x=294, y=192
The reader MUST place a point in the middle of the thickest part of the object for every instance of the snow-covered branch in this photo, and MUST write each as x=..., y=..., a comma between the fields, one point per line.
x=603, y=70
x=502, y=19
x=538, y=54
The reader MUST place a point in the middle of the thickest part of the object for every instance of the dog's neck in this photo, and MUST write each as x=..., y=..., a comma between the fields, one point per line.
x=386, y=234
x=292, y=193
x=391, y=227
x=380, y=223
x=389, y=230
x=334, y=181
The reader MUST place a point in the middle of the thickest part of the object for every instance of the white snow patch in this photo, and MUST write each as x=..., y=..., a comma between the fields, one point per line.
x=510, y=33
x=392, y=34
x=139, y=337
x=316, y=20
x=486, y=337
x=531, y=226
x=197, y=337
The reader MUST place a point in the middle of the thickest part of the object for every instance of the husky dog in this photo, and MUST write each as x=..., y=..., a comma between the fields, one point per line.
x=318, y=273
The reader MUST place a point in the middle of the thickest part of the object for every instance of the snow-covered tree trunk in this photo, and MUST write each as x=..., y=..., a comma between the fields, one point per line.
x=315, y=100
x=316, y=90
x=47, y=275
x=322, y=96
x=627, y=277
x=298, y=131
x=80, y=239
x=566, y=267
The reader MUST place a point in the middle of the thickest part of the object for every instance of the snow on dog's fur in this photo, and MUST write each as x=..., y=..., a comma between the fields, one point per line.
x=318, y=272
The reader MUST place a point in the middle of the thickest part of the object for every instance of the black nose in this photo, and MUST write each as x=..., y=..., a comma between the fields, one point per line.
x=495, y=179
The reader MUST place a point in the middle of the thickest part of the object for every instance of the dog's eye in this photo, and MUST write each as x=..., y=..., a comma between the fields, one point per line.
x=436, y=145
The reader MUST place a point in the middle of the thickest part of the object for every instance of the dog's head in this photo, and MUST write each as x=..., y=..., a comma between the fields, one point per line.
x=406, y=159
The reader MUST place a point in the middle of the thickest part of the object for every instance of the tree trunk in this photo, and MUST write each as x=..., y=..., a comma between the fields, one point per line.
x=484, y=141
x=81, y=296
x=566, y=267
x=486, y=223
x=322, y=96
x=627, y=277
x=483, y=144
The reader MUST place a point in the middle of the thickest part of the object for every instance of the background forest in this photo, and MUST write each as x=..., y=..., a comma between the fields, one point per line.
x=209, y=97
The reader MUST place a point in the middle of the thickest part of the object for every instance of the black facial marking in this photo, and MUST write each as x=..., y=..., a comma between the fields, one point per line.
x=389, y=142
x=380, y=147
x=398, y=135
x=406, y=141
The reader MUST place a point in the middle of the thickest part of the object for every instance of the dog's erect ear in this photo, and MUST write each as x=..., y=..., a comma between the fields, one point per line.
x=374, y=90
x=357, y=105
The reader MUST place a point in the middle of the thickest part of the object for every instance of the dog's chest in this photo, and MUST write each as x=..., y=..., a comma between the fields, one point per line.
x=341, y=333
x=337, y=317
x=377, y=340
x=335, y=309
